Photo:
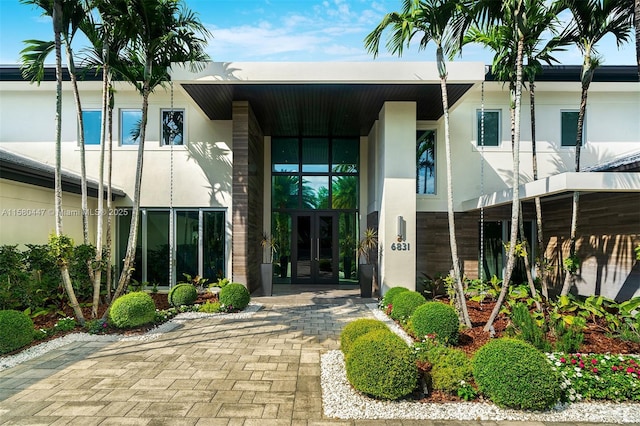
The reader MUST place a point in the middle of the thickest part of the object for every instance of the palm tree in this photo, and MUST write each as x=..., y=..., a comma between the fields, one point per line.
x=591, y=21
x=60, y=241
x=106, y=42
x=33, y=57
x=433, y=19
x=160, y=32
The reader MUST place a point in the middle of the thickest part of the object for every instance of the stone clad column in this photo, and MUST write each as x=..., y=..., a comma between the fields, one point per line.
x=397, y=197
x=247, y=190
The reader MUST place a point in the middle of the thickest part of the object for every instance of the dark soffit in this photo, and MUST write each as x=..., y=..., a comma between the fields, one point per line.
x=319, y=109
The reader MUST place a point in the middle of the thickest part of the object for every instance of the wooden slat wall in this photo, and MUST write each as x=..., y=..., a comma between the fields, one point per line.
x=248, y=178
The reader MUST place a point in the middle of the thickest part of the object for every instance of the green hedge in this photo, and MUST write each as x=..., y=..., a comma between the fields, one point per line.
x=515, y=374
x=387, y=299
x=16, y=330
x=358, y=328
x=234, y=295
x=132, y=310
x=382, y=365
x=436, y=318
x=405, y=303
x=182, y=294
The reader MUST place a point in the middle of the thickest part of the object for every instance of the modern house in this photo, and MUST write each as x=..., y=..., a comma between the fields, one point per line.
x=313, y=153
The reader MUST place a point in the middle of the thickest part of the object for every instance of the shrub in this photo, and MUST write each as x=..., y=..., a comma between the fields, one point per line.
x=358, y=328
x=569, y=337
x=65, y=324
x=234, y=295
x=515, y=374
x=182, y=294
x=450, y=370
x=382, y=365
x=405, y=303
x=528, y=329
x=132, y=310
x=16, y=330
x=210, y=307
x=435, y=318
x=387, y=299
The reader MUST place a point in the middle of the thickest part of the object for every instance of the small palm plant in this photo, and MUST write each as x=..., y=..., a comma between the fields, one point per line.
x=367, y=243
x=270, y=247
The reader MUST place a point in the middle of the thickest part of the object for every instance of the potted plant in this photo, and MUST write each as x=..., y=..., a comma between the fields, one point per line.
x=366, y=245
x=269, y=249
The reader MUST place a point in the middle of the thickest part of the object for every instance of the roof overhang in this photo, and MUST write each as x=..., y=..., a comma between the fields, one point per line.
x=22, y=169
x=326, y=98
x=563, y=183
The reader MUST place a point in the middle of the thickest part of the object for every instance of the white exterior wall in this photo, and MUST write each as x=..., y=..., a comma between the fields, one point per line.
x=612, y=130
x=396, y=145
x=202, y=167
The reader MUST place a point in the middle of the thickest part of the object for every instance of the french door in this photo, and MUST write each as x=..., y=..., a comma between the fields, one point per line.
x=314, y=254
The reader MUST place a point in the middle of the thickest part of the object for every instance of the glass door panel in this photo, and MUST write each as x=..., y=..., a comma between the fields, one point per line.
x=187, y=239
x=303, y=248
x=158, y=256
x=324, y=247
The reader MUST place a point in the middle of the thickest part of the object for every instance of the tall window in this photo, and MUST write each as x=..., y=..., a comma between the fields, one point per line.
x=130, y=120
x=569, y=128
x=492, y=135
x=91, y=120
x=426, y=162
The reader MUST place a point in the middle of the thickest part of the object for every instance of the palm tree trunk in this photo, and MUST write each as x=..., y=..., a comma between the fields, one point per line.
x=83, y=167
x=109, y=192
x=540, y=263
x=515, y=204
x=587, y=75
x=129, y=259
x=64, y=269
x=461, y=302
x=100, y=219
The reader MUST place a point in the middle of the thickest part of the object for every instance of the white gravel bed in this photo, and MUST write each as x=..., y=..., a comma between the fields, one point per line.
x=340, y=400
x=381, y=316
x=43, y=348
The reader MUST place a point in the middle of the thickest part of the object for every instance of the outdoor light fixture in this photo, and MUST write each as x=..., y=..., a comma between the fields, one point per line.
x=400, y=228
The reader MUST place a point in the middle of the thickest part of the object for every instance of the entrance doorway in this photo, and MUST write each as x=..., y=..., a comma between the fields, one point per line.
x=314, y=252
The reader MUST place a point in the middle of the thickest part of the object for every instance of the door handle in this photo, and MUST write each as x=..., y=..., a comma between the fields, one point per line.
x=317, y=249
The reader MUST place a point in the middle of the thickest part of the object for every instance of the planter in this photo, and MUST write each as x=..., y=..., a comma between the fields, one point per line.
x=284, y=266
x=365, y=279
x=266, y=278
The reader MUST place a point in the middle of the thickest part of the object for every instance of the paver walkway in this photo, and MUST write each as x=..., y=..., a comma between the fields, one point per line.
x=263, y=370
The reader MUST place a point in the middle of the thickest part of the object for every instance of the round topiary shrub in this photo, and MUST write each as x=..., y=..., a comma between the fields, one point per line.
x=182, y=294
x=515, y=374
x=387, y=299
x=405, y=303
x=450, y=369
x=358, y=328
x=132, y=310
x=436, y=318
x=382, y=365
x=16, y=330
x=234, y=295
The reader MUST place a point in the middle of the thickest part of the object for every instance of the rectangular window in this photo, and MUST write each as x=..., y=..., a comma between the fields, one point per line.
x=491, y=134
x=172, y=130
x=130, y=120
x=426, y=162
x=91, y=120
x=569, y=128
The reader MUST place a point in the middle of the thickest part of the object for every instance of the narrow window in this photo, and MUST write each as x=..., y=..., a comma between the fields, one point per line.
x=91, y=121
x=426, y=162
x=130, y=121
x=172, y=130
x=569, y=128
x=491, y=135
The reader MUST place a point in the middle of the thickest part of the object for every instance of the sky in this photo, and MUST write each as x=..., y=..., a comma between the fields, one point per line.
x=281, y=30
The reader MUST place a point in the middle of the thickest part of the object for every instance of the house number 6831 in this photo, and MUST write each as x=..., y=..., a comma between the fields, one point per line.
x=400, y=246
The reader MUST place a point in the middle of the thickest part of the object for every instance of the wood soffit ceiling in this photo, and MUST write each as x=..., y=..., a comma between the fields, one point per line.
x=319, y=109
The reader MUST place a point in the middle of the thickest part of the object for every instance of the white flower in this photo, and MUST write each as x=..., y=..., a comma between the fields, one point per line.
x=558, y=363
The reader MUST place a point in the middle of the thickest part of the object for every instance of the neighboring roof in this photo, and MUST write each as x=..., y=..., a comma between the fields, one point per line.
x=571, y=73
x=18, y=168
x=628, y=163
x=558, y=184
x=12, y=73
